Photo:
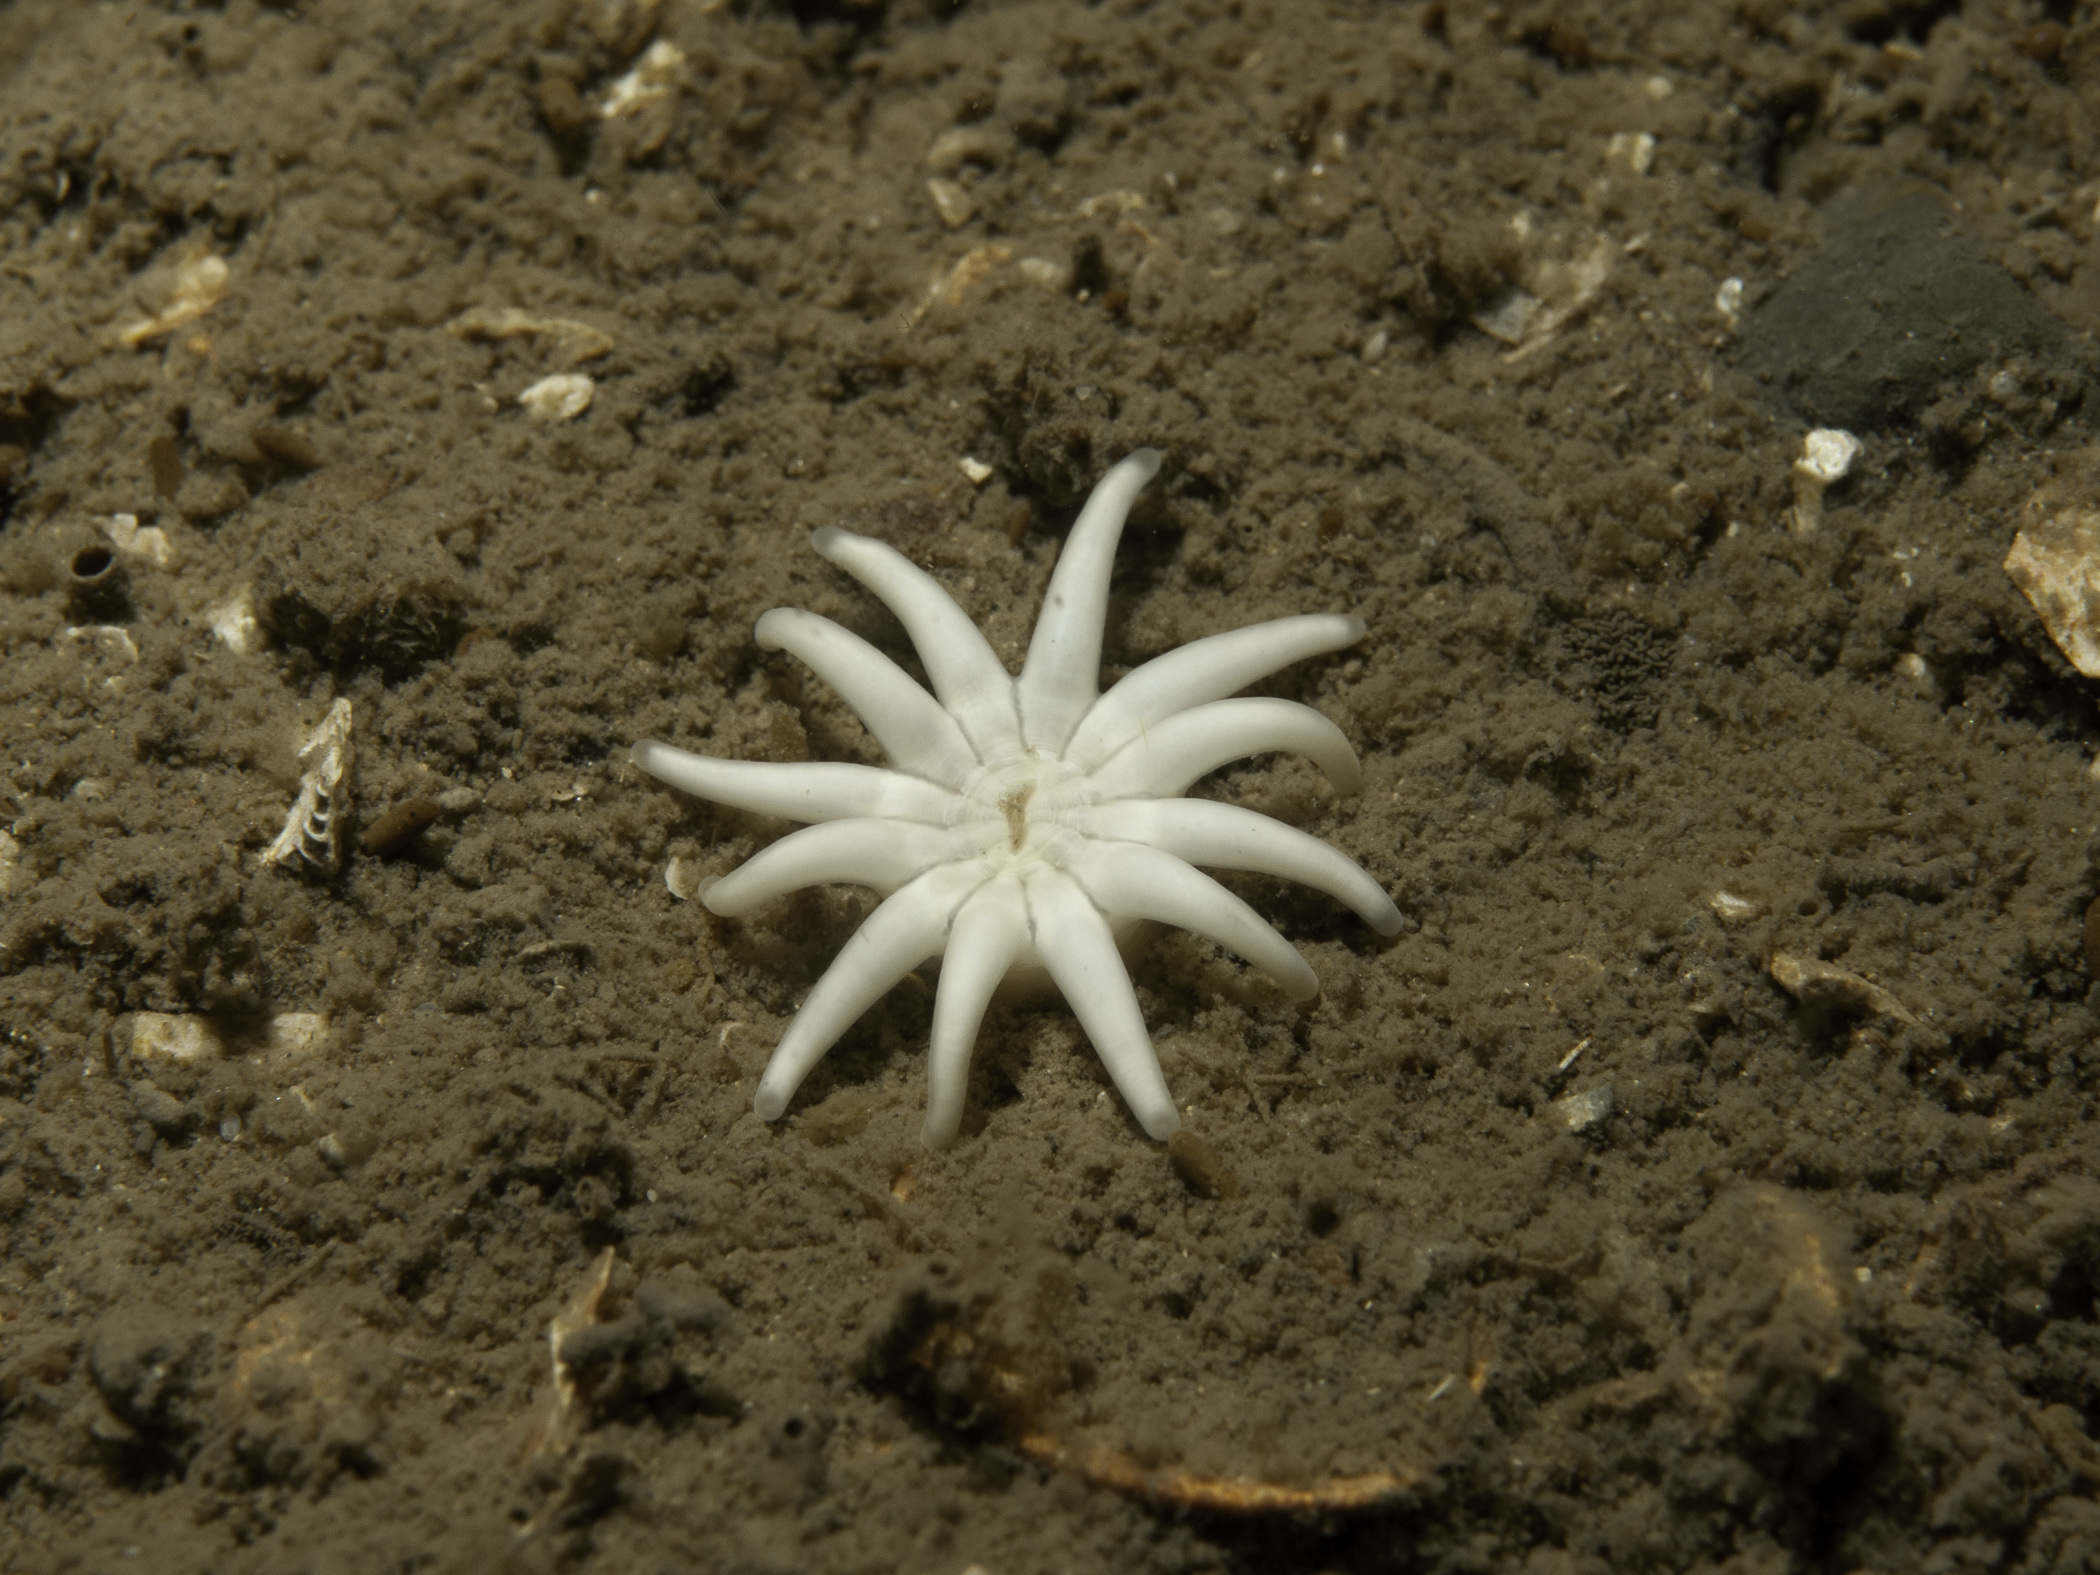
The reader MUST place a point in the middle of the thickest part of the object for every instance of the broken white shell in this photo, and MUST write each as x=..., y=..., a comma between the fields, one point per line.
x=151, y=543
x=1728, y=300
x=233, y=622
x=655, y=75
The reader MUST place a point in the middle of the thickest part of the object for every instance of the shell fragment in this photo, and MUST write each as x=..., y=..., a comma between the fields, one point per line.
x=310, y=836
x=2055, y=561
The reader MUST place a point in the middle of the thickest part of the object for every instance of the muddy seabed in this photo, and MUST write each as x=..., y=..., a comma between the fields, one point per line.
x=1570, y=1234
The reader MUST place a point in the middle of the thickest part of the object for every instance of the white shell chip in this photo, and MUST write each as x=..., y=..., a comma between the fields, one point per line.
x=561, y=397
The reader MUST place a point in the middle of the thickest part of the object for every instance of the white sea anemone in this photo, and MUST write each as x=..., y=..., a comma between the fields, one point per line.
x=1027, y=821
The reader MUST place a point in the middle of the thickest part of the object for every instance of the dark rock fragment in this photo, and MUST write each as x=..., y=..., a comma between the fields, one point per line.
x=1899, y=303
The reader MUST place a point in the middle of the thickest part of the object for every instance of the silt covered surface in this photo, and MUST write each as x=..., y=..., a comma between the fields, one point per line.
x=1704, y=1179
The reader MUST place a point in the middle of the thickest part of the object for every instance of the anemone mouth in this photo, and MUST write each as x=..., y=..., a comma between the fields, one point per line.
x=1032, y=797
x=1027, y=788
x=1015, y=807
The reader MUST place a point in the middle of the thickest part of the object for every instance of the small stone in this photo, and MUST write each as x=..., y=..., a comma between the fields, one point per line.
x=159, y=1109
x=1730, y=908
x=1636, y=150
x=1901, y=301
x=955, y=205
x=292, y=449
x=1921, y=677
x=292, y=1035
x=562, y=107
x=1045, y=274
x=960, y=145
x=174, y=1037
x=209, y=495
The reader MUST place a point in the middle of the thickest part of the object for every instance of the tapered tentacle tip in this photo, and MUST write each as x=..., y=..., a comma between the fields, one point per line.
x=944, y=1104
x=1357, y=629
x=1300, y=987
x=771, y=1103
x=1386, y=921
x=1345, y=774
x=828, y=540
x=771, y=627
x=939, y=1131
x=1160, y=1121
x=1147, y=460
x=648, y=756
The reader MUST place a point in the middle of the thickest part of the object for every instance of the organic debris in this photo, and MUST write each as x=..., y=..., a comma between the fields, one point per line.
x=1825, y=987
x=194, y=287
x=571, y=341
x=984, y=1370
x=559, y=1416
x=1110, y=1466
x=948, y=292
x=1557, y=292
